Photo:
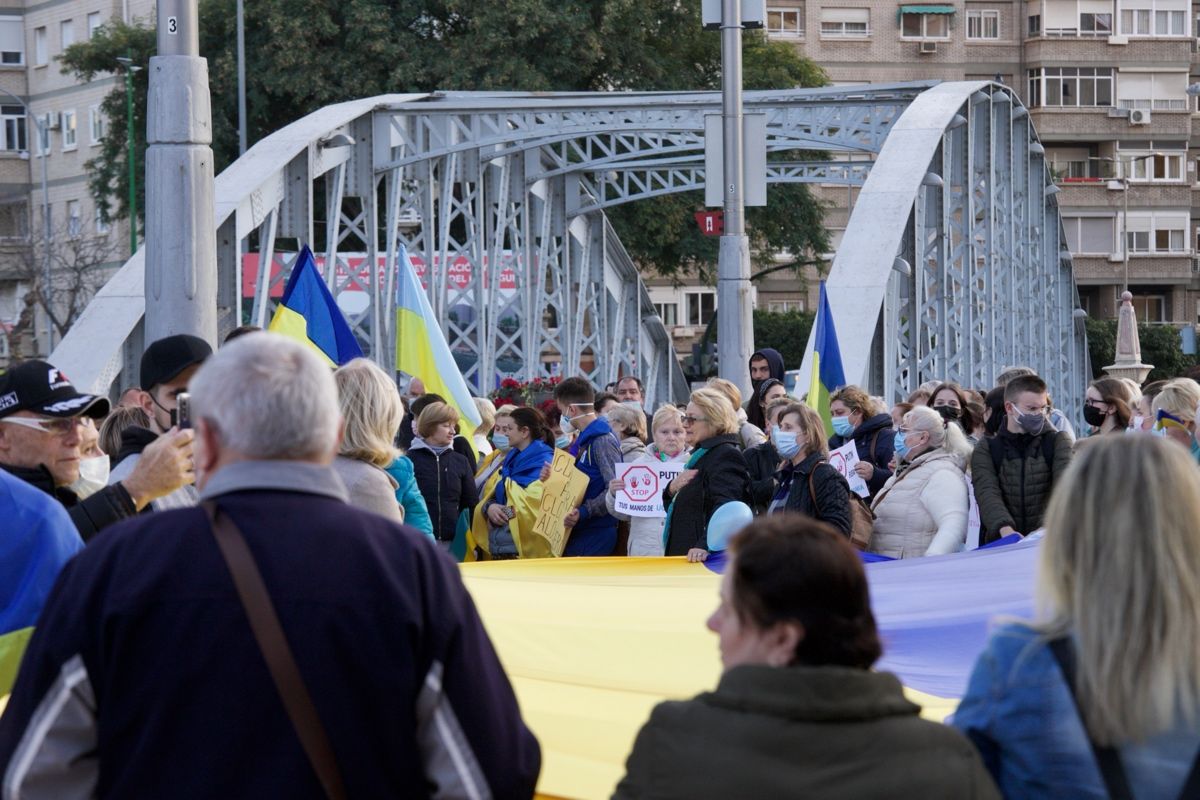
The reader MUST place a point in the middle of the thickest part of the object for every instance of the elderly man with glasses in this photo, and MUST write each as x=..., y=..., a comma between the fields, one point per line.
x=40, y=416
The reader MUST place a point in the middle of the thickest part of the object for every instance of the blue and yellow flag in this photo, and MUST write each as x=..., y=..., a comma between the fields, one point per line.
x=827, y=372
x=422, y=351
x=310, y=315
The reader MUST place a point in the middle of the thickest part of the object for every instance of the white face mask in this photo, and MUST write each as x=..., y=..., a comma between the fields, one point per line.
x=93, y=476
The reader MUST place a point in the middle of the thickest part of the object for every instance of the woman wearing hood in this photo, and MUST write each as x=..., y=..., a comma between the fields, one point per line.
x=922, y=509
x=855, y=420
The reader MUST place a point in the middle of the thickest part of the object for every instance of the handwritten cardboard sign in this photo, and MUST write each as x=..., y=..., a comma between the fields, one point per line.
x=642, y=495
x=843, y=460
x=561, y=493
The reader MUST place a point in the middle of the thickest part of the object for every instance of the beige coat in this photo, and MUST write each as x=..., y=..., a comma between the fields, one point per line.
x=922, y=509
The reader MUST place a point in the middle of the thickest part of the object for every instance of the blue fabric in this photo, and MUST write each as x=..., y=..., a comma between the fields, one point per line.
x=594, y=535
x=1019, y=713
x=826, y=344
x=409, y=496
x=523, y=466
x=37, y=538
x=308, y=296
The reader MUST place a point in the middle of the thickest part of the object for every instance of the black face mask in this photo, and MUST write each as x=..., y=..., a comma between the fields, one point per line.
x=1093, y=416
x=949, y=413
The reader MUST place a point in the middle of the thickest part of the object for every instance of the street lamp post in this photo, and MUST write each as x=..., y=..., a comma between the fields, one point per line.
x=1122, y=184
x=40, y=130
x=131, y=149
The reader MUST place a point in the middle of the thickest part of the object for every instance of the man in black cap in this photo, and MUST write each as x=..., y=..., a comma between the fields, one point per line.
x=40, y=416
x=167, y=366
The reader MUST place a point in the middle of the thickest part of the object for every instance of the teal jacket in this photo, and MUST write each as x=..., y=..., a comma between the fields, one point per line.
x=416, y=513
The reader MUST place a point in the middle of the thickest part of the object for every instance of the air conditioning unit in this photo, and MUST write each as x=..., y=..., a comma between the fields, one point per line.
x=928, y=47
x=1139, y=116
x=1116, y=258
x=54, y=121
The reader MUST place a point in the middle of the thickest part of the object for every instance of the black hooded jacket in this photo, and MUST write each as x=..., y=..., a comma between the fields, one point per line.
x=875, y=440
x=90, y=515
x=754, y=411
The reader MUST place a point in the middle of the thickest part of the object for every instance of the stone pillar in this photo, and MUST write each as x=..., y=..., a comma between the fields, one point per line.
x=1129, y=349
x=181, y=240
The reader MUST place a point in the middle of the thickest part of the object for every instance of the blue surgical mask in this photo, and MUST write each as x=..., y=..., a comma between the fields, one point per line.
x=562, y=441
x=899, y=445
x=500, y=441
x=785, y=443
x=842, y=426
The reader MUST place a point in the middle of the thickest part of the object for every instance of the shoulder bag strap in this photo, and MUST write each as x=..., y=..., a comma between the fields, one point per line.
x=1107, y=758
x=273, y=645
x=812, y=491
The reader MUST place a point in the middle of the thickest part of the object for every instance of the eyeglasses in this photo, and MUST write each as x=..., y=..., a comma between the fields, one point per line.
x=58, y=427
x=689, y=420
x=1095, y=403
x=1165, y=419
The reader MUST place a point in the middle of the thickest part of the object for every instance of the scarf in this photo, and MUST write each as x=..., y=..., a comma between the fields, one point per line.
x=691, y=462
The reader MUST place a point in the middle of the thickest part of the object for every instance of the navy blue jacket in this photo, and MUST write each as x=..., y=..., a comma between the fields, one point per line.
x=447, y=482
x=596, y=451
x=147, y=681
x=877, y=431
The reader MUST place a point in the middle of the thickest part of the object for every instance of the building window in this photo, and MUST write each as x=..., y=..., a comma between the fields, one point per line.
x=669, y=312
x=96, y=124
x=700, y=307
x=1071, y=87
x=1160, y=91
x=15, y=128
x=1095, y=24
x=14, y=220
x=70, y=136
x=785, y=306
x=93, y=24
x=785, y=21
x=983, y=24
x=1150, y=307
x=925, y=26
x=66, y=33
x=40, y=57
x=102, y=227
x=12, y=41
x=74, y=223
x=1159, y=168
x=1154, y=18
x=1157, y=233
x=847, y=23
x=1035, y=24
x=1089, y=235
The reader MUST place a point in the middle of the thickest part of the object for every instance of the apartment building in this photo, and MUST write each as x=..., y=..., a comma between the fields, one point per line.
x=1107, y=84
x=42, y=157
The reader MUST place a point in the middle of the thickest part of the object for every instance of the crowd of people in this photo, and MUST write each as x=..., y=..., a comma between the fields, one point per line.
x=264, y=448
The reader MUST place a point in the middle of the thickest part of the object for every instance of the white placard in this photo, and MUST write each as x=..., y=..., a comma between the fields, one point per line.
x=642, y=495
x=973, y=523
x=843, y=460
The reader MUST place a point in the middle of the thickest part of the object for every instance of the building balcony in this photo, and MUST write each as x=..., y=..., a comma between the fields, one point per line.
x=1083, y=124
x=1086, y=51
x=1094, y=193
x=1156, y=268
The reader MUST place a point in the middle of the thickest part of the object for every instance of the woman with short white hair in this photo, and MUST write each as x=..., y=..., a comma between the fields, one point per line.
x=922, y=509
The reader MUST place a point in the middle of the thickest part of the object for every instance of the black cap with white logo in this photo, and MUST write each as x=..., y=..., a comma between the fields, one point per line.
x=41, y=388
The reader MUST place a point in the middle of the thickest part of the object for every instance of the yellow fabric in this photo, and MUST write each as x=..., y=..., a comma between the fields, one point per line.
x=12, y=648
x=526, y=502
x=287, y=322
x=591, y=645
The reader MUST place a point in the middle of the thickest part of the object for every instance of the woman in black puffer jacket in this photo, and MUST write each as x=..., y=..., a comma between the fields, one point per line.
x=444, y=476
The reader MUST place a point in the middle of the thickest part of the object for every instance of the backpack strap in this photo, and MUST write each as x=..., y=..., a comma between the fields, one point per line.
x=1048, y=443
x=1112, y=771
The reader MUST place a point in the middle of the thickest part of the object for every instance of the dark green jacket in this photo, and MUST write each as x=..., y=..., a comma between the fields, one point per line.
x=1019, y=493
x=833, y=733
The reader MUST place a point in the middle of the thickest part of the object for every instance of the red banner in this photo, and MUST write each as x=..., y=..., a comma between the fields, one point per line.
x=354, y=267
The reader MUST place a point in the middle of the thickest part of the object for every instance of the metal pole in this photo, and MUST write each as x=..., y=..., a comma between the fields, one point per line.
x=1125, y=228
x=735, y=310
x=131, y=156
x=241, y=76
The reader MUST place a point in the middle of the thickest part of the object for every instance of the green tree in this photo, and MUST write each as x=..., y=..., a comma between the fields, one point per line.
x=1160, y=347
x=786, y=332
x=303, y=54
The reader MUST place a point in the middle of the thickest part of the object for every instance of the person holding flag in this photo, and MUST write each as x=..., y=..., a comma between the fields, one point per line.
x=502, y=526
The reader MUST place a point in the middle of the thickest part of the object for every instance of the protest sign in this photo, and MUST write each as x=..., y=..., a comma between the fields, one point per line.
x=561, y=493
x=642, y=495
x=843, y=460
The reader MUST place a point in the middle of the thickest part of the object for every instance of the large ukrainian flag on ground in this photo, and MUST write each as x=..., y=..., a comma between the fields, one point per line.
x=422, y=351
x=310, y=315
x=827, y=372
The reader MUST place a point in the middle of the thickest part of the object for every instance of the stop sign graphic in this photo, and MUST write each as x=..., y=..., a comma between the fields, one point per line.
x=641, y=484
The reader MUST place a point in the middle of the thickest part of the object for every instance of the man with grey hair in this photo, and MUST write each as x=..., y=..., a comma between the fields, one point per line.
x=153, y=671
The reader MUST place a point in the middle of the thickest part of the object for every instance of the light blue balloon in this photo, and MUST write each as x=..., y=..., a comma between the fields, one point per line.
x=725, y=522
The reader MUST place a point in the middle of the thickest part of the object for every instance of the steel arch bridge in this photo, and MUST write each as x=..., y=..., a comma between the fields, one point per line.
x=952, y=264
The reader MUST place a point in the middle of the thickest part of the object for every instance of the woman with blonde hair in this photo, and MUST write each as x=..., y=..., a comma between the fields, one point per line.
x=629, y=425
x=1175, y=413
x=922, y=509
x=1102, y=693
x=748, y=433
x=445, y=477
x=715, y=474
x=807, y=483
x=371, y=412
x=487, y=416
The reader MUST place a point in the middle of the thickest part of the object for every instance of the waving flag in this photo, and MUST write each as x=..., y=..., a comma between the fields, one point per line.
x=422, y=351
x=827, y=372
x=310, y=315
